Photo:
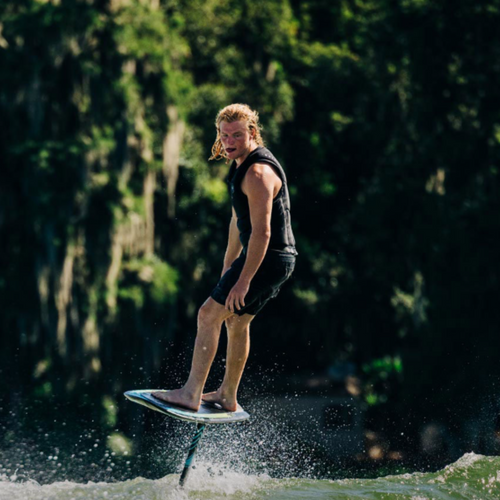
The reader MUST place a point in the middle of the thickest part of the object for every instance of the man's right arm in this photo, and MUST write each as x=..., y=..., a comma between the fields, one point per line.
x=234, y=245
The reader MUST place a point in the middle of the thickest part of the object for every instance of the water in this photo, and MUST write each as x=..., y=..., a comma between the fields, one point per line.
x=471, y=477
x=261, y=459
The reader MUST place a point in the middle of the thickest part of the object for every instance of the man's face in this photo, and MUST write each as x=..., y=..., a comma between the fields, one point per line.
x=236, y=139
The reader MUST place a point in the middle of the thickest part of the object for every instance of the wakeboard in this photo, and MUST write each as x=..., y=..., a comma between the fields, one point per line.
x=207, y=414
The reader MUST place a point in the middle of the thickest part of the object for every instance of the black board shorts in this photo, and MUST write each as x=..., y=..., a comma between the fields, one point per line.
x=275, y=269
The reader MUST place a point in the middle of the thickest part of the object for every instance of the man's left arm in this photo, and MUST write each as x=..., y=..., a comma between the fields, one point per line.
x=259, y=185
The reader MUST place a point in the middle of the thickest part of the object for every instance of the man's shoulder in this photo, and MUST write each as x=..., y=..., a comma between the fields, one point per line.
x=256, y=170
x=263, y=167
x=259, y=169
x=260, y=177
x=262, y=154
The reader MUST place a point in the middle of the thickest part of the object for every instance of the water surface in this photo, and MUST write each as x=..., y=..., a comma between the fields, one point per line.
x=471, y=477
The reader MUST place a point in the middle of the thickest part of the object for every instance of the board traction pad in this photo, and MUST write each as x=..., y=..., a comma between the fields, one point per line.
x=207, y=414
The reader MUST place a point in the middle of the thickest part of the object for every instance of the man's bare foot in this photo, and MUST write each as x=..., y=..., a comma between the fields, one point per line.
x=226, y=403
x=178, y=397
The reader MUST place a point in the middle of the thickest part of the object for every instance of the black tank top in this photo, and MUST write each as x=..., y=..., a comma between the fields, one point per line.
x=282, y=239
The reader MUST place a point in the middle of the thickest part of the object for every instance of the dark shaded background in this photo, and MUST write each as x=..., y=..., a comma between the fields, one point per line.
x=113, y=224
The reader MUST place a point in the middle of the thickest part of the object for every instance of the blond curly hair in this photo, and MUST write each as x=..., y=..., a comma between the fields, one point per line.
x=235, y=113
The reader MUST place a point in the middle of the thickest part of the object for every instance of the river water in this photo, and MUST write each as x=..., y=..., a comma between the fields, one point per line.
x=471, y=477
x=260, y=459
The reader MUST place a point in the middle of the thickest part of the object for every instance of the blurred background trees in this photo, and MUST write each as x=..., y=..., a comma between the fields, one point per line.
x=113, y=224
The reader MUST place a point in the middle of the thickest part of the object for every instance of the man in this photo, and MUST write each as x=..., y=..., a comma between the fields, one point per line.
x=260, y=257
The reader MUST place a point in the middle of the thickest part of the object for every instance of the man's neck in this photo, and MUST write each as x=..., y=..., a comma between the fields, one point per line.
x=241, y=159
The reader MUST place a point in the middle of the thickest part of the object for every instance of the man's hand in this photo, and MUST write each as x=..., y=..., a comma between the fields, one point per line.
x=236, y=298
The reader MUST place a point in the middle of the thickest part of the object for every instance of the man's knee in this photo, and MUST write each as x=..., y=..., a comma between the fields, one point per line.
x=237, y=324
x=212, y=312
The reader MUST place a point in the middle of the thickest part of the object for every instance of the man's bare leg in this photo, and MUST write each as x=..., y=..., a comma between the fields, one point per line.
x=210, y=318
x=238, y=347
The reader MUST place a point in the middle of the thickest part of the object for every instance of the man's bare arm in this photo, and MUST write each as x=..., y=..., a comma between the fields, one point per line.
x=260, y=185
x=234, y=245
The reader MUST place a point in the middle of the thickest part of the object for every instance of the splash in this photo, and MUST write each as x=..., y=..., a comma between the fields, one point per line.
x=263, y=447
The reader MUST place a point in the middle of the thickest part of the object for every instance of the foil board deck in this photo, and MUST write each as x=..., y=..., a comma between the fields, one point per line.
x=207, y=414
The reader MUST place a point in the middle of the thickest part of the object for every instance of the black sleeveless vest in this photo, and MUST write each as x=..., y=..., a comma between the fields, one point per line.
x=282, y=239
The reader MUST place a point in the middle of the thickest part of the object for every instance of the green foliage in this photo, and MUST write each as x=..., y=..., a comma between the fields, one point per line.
x=383, y=367
x=216, y=191
x=134, y=293
x=43, y=391
x=164, y=285
x=149, y=275
x=377, y=378
x=110, y=416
